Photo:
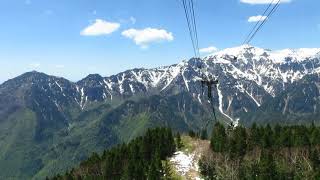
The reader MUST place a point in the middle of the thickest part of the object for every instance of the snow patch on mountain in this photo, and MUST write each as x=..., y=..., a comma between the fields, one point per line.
x=248, y=72
x=296, y=55
x=221, y=103
x=171, y=74
x=59, y=86
x=83, y=99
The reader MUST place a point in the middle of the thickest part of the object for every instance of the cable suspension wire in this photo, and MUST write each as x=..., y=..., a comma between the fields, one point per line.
x=188, y=6
x=189, y=25
x=262, y=20
x=195, y=27
x=206, y=81
x=258, y=22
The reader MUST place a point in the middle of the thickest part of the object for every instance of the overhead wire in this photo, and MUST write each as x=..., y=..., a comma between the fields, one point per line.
x=190, y=17
x=265, y=20
x=189, y=26
x=195, y=27
x=262, y=21
x=258, y=22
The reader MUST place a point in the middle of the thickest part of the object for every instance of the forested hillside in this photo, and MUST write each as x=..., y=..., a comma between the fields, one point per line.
x=142, y=158
x=46, y=119
x=258, y=152
x=267, y=152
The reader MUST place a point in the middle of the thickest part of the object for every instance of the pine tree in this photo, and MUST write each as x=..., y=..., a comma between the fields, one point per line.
x=241, y=139
x=315, y=159
x=171, y=143
x=179, y=142
x=167, y=171
x=315, y=137
x=218, y=138
x=204, y=134
x=301, y=136
x=155, y=169
x=253, y=171
x=207, y=168
x=267, y=167
x=254, y=137
x=285, y=138
x=276, y=135
x=192, y=134
x=267, y=140
x=69, y=176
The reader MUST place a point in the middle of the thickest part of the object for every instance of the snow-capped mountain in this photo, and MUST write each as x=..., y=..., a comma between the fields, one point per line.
x=52, y=118
x=248, y=77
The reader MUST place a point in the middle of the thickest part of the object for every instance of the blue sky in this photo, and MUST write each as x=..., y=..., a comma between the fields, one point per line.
x=73, y=38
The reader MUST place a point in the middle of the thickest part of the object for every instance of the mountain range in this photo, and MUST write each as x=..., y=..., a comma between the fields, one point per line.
x=46, y=119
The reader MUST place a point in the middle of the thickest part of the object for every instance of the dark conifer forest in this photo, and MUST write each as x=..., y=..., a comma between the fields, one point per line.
x=259, y=152
x=263, y=152
x=142, y=158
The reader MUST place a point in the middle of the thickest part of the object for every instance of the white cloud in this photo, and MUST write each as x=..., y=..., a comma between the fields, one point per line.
x=208, y=50
x=263, y=1
x=100, y=27
x=133, y=20
x=257, y=18
x=146, y=36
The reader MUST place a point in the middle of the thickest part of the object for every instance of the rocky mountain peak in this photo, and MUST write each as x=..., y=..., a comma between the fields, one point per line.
x=248, y=77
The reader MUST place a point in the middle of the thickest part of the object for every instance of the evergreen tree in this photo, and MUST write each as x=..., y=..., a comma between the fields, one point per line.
x=204, y=134
x=267, y=167
x=137, y=160
x=179, y=142
x=315, y=137
x=276, y=135
x=167, y=171
x=253, y=139
x=69, y=176
x=192, y=134
x=267, y=140
x=171, y=144
x=155, y=168
x=301, y=136
x=315, y=159
x=218, y=138
x=253, y=171
x=242, y=174
x=240, y=139
x=285, y=138
x=207, y=169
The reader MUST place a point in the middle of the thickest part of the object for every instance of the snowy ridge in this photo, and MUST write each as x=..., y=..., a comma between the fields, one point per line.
x=262, y=66
x=247, y=76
